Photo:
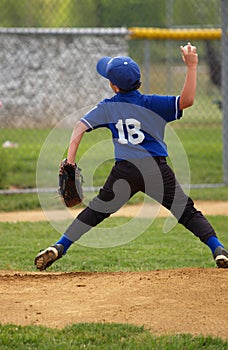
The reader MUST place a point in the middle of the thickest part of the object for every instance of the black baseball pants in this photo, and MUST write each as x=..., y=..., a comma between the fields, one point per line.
x=152, y=176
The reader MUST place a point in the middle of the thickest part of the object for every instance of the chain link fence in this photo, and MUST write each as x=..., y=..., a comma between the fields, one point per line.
x=49, y=50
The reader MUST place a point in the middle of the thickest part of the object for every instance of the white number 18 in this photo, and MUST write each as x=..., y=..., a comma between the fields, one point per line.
x=134, y=134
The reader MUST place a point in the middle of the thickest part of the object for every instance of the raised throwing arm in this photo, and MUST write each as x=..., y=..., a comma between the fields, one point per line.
x=190, y=57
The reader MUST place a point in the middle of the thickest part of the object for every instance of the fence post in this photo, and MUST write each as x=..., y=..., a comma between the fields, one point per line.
x=224, y=9
x=146, y=84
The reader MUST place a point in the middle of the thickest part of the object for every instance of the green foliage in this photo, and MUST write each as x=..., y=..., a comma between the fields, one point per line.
x=100, y=337
x=107, y=13
x=76, y=13
x=196, y=13
x=33, y=13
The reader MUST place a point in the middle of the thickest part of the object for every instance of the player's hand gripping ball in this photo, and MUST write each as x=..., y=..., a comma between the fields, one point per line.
x=188, y=48
x=189, y=54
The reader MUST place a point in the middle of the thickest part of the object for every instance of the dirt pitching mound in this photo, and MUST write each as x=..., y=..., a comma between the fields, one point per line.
x=188, y=300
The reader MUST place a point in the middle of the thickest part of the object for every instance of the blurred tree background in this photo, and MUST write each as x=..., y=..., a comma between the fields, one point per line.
x=108, y=13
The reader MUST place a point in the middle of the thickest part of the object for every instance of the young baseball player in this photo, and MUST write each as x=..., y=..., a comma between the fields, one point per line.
x=137, y=124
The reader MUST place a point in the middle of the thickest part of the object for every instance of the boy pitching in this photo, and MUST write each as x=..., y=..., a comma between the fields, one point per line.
x=137, y=123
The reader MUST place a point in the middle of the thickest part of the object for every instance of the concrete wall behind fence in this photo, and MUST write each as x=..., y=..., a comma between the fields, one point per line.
x=47, y=74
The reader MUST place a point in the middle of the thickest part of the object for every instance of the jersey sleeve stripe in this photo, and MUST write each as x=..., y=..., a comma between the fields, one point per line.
x=177, y=107
x=83, y=120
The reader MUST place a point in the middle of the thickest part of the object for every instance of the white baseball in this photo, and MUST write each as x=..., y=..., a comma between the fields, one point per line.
x=186, y=48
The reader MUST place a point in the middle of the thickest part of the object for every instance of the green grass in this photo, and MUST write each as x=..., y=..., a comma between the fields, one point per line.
x=100, y=337
x=205, y=160
x=17, y=202
x=152, y=250
x=203, y=145
x=217, y=194
x=20, y=162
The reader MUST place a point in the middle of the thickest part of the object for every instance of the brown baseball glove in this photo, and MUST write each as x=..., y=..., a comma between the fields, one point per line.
x=70, y=183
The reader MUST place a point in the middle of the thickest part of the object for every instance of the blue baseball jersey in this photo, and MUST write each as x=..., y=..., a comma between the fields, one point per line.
x=137, y=122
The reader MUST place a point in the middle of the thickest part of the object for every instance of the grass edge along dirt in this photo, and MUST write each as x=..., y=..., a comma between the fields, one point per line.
x=30, y=201
x=101, y=336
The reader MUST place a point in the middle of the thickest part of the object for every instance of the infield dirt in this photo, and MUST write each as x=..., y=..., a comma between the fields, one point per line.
x=207, y=207
x=189, y=300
